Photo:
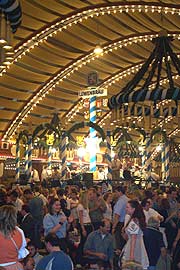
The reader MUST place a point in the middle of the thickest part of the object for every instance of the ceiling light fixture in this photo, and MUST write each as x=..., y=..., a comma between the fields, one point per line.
x=98, y=49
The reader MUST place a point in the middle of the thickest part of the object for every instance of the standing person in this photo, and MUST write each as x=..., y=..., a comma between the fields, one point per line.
x=56, y=222
x=36, y=208
x=148, y=211
x=97, y=208
x=154, y=244
x=85, y=225
x=176, y=244
x=134, y=249
x=116, y=166
x=27, y=223
x=57, y=259
x=108, y=200
x=119, y=213
x=11, y=238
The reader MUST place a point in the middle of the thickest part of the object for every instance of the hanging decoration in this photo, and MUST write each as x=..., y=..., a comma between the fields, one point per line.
x=141, y=97
x=10, y=19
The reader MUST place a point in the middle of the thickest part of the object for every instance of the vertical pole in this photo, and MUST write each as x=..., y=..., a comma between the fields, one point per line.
x=63, y=156
x=49, y=158
x=26, y=160
x=109, y=160
x=163, y=173
x=148, y=157
x=167, y=155
x=29, y=157
x=93, y=134
x=143, y=157
x=17, y=161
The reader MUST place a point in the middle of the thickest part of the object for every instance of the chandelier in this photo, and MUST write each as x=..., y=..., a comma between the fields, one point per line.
x=10, y=19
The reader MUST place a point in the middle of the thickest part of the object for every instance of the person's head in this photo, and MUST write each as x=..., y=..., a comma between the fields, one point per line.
x=28, y=194
x=164, y=204
x=8, y=219
x=105, y=226
x=74, y=194
x=13, y=195
x=32, y=248
x=135, y=210
x=37, y=189
x=54, y=206
x=153, y=222
x=120, y=190
x=173, y=193
x=60, y=192
x=92, y=194
x=52, y=242
x=145, y=204
x=25, y=209
x=28, y=263
x=108, y=197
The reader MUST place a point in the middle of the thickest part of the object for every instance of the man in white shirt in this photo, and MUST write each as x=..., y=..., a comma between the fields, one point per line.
x=148, y=211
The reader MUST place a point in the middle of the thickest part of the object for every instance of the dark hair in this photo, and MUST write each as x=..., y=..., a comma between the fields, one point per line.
x=25, y=207
x=27, y=191
x=26, y=259
x=106, y=195
x=144, y=202
x=52, y=239
x=31, y=244
x=164, y=204
x=138, y=213
x=51, y=202
x=60, y=192
x=121, y=189
x=103, y=222
x=14, y=193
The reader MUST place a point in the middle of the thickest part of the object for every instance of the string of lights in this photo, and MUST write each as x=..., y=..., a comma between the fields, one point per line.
x=51, y=84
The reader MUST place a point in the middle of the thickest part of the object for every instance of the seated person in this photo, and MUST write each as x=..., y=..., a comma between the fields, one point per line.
x=33, y=252
x=98, y=247
x=28, y=263
x=56, y=259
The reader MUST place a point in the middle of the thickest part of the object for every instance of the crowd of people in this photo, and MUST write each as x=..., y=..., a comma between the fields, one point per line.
x=89, y=229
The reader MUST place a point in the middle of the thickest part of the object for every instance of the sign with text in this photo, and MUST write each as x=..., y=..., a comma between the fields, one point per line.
x=93, y=91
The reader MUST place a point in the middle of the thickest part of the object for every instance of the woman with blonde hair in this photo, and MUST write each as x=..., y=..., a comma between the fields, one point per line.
x=85, y=225
x=11, y=238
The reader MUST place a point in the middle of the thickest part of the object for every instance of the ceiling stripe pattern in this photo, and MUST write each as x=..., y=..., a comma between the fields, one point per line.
x=54, y=52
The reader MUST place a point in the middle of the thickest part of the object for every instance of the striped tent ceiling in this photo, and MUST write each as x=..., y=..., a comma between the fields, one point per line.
x=54, y=53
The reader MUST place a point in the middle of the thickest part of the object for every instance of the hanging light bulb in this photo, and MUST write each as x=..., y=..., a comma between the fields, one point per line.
x=98, y=49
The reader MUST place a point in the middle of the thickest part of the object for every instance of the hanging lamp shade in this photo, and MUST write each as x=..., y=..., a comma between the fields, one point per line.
x=8, y=44
x=2, y=29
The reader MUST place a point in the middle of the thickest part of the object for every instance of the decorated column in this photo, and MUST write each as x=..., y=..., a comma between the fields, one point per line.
x=143, y=157
x=63, y=156
x=17, y=161
x=108, y=156
x=93, y=134
x=49, y=158
x=167, y=155
x=163, y=173
x=29, y=157
x=26, y=160
x=148, y=157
